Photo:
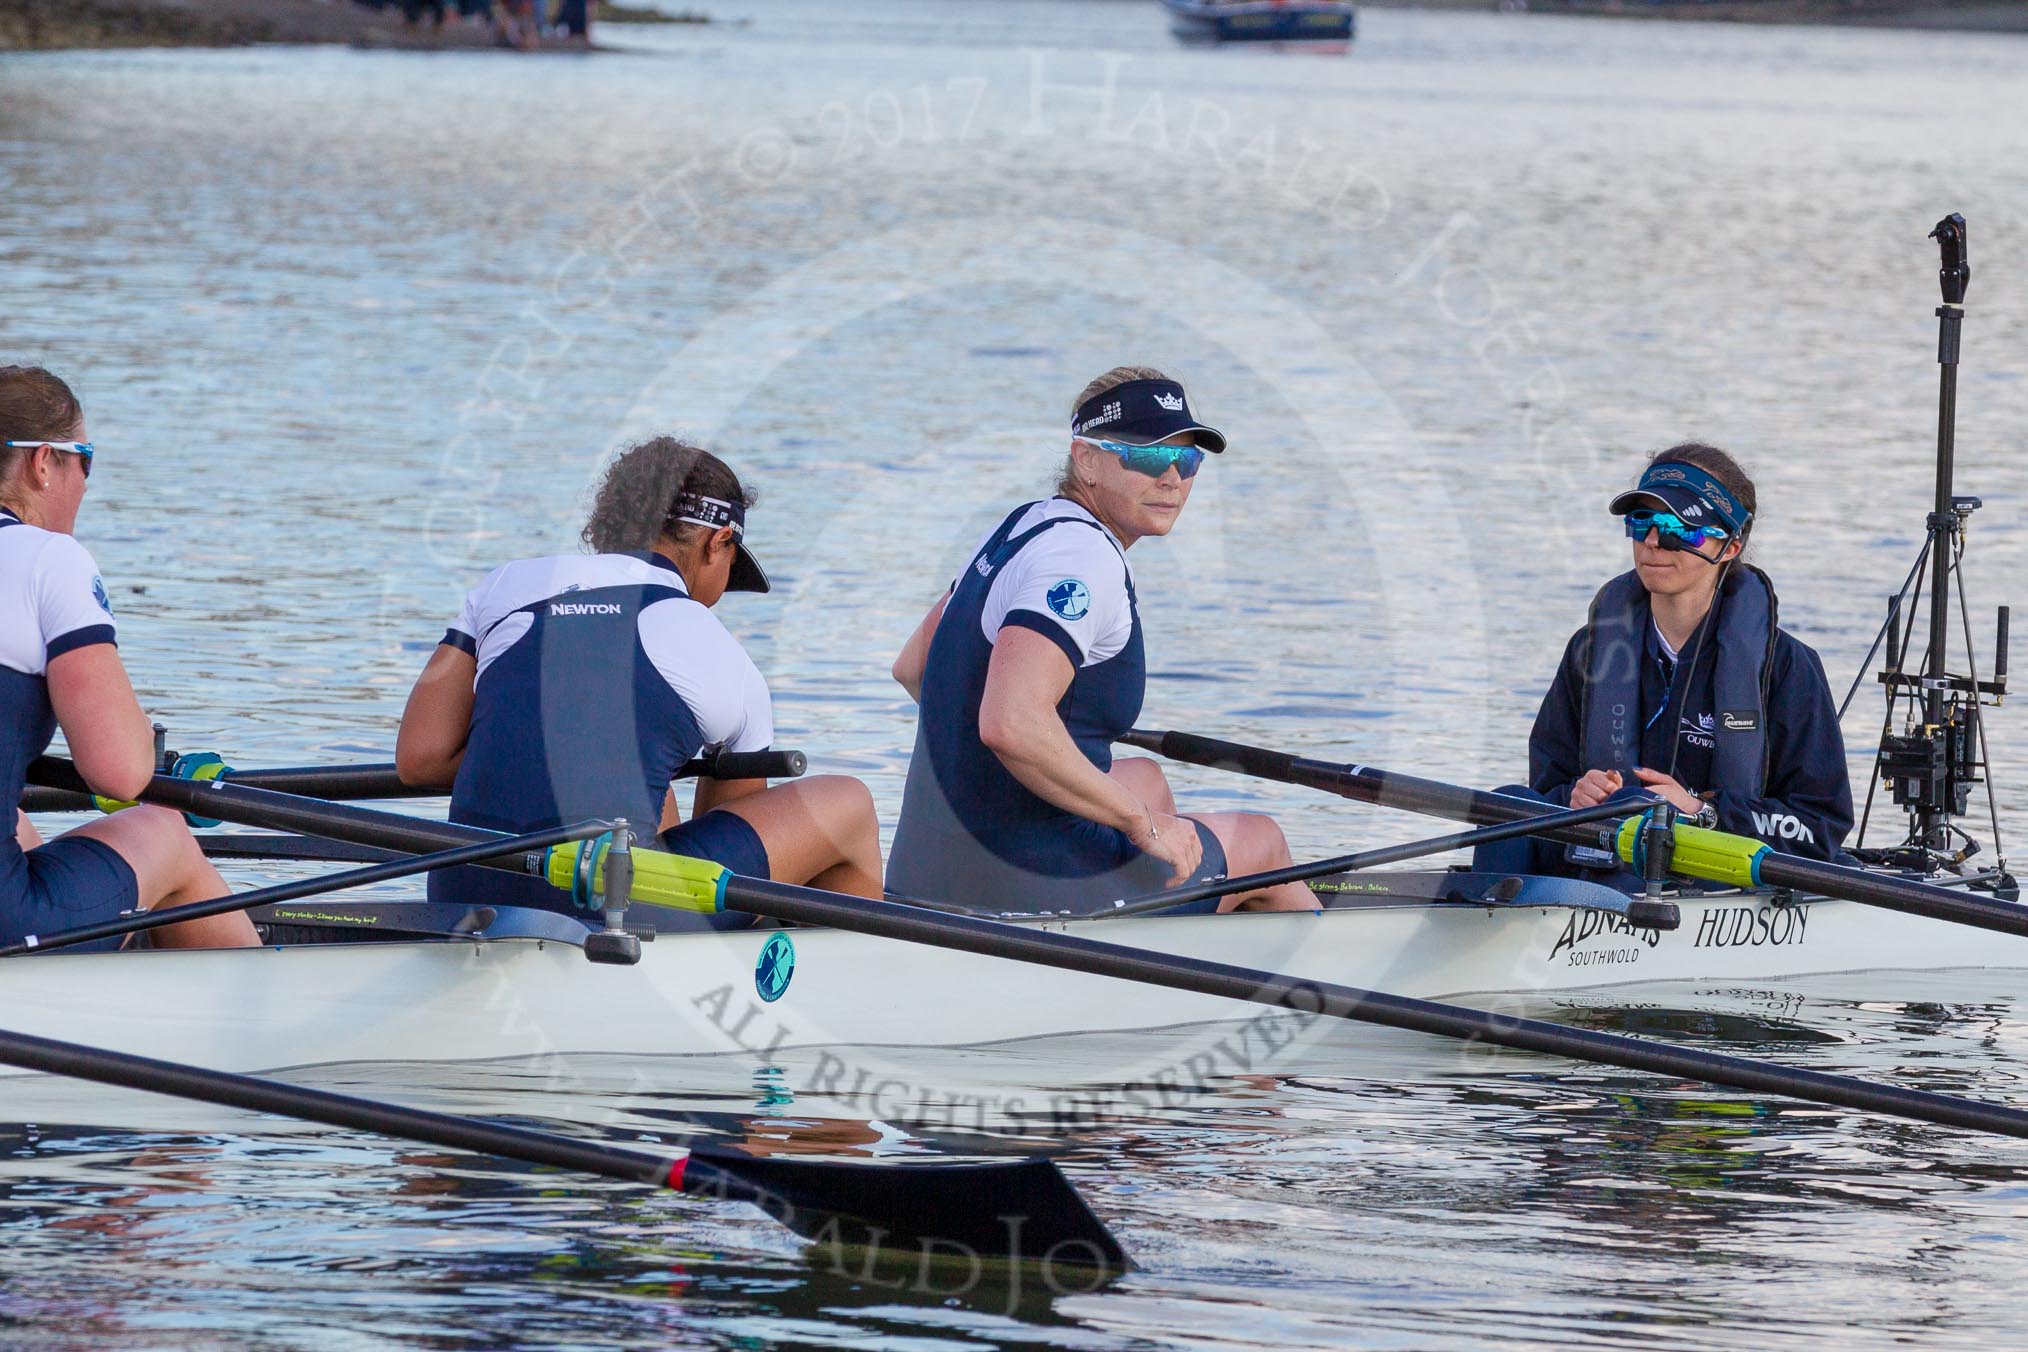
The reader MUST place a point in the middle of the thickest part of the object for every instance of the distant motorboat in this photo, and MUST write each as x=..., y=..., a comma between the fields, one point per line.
x=1207, y=21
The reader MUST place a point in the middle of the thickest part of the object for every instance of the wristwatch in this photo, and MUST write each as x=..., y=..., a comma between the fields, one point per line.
x=1707, y=816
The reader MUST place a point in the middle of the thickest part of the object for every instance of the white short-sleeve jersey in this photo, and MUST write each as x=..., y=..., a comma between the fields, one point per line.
x=1074, y=577
x=691, y=650
x=51, y=599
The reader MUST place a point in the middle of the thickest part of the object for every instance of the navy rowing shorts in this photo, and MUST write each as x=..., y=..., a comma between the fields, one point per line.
x=1079, y=866
x=1141, y=873
x=72, y=880
x=724, y=838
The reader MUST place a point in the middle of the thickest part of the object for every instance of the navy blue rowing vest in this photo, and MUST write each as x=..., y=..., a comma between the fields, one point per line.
x=26, y=731
x=968, y=827
x=572, y=721
x=1744, y=639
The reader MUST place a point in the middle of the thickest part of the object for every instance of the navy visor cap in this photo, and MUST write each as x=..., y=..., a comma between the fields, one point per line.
x=1141, y=413
x=1689, y=492
x=747, y=575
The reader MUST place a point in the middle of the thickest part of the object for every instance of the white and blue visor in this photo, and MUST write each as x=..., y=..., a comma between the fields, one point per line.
x=1141, y=413
x=1692, y=494
x=747, y=574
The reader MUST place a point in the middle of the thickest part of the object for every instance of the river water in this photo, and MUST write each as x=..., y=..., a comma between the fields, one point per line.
x=353, y=327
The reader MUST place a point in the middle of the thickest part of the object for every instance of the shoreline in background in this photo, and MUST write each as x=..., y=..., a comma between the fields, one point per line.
x=37, y=25
x=1971, y=16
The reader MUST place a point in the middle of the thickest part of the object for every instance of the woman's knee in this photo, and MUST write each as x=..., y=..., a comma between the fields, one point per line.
x=157, y=845
x=1144, y=779
x=1252, y=841
x=840, y=799
x=154, y=837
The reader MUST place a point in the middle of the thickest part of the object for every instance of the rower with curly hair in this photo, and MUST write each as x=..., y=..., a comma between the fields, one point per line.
x=575, y=686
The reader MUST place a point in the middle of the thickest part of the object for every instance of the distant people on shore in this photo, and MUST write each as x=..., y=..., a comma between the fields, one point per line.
x=514, y=23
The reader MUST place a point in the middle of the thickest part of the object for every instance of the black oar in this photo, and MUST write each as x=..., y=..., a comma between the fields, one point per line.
x=1640, y=911
x=298, y=848
x=1022, y=943
x=1023, y=1211
x=664, y=879
x=379, y=780
x=479, y=853
x=1028, y=944
x=1713, y=855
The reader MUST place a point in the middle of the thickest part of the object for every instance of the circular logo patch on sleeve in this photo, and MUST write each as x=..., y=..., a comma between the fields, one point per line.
x=1070, y=599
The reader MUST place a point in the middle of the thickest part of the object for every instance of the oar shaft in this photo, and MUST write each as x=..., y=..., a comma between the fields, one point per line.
x=1375, y=858
x=1364, y=783
x=305, y=887
x=301, y=848
x=1906, y=895
x=1434, y=798
x=380, y=780
x=1068, y=952
x=1022, y=1211
x=316, y=781
x=275, y=811
x=338, y=1110
x=332, y=781
x=660, y=879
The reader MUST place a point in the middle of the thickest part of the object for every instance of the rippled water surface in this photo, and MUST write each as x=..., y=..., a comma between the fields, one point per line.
x=353, y=327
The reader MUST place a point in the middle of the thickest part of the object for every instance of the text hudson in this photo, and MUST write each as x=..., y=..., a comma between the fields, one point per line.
x=1752, y=926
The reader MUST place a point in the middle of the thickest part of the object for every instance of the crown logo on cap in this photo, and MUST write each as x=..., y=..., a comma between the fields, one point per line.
x=1172, y=402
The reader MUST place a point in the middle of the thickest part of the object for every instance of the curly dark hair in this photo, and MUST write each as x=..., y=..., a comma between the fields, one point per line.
x=636, y=503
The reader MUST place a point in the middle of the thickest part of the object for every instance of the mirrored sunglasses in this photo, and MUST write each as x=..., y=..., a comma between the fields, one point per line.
x=1672, y=532
x=1154, y=461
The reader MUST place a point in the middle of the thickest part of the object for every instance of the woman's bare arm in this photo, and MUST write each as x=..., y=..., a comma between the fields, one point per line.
x=438, y=720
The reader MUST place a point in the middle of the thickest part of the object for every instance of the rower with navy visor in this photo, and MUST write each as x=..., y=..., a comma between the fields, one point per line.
x=1031, y=666
x=1683, y=685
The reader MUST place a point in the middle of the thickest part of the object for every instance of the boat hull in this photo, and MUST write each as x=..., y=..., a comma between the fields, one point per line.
x=708, y=994
x=1194, y=21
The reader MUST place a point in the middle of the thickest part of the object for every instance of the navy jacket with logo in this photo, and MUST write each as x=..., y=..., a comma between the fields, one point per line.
x=1805, y=803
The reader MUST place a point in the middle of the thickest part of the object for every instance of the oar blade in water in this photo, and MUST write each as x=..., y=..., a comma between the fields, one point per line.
x=1016, y=1211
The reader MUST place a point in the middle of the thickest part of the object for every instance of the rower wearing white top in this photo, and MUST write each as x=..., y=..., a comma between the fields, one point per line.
x=576, y=686
x=59, y=667
x=1031, y=666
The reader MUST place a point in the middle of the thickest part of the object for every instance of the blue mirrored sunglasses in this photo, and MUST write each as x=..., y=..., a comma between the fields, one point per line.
x=1672, y=531
x=1154, y=461
x=81, y=449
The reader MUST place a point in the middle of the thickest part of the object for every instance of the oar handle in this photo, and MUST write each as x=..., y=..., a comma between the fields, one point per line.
x=746, y=765
x=1192, y=749
x=379, y=779
x=1362, y=783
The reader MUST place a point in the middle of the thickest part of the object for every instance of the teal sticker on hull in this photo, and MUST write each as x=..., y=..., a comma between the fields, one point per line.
x=774, y=967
